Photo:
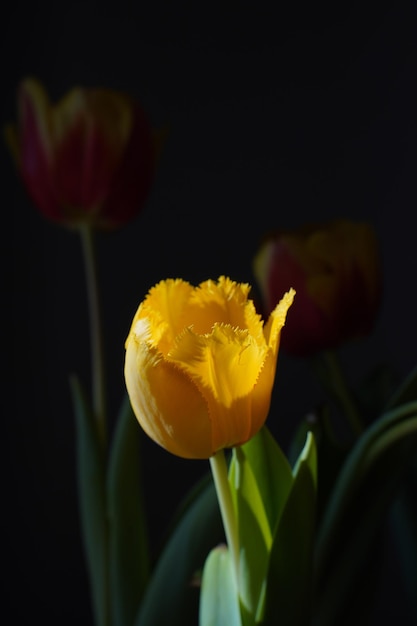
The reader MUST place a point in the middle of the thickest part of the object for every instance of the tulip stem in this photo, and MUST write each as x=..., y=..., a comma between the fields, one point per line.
x=97, y=360
x=335, y=381
x=224, y=496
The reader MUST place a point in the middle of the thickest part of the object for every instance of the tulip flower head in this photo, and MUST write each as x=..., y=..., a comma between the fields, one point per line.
x=335, y=269
x=200, y=365
x=89, y=158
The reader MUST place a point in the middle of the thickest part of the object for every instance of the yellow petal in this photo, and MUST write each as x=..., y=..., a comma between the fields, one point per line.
x=166, y=403
x=165, y=308
x=261, y=395
x=234, y=425
x=226, y=363
x=276, y=320
x=221, y=302
x=254, y=323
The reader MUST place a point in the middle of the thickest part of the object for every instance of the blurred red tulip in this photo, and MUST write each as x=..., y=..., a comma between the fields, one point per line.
x=336, y=271
x=90, y=158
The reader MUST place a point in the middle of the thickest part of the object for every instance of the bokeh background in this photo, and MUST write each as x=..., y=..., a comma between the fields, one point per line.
x=277, y=114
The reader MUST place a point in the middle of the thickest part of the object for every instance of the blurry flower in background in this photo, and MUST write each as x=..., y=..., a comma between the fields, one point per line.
x=335, y=269
x=89, y=159
x=200, y=365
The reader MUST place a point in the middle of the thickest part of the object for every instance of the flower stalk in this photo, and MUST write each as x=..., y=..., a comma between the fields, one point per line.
x=97, y=353
x=221, y=482
x=335, y=381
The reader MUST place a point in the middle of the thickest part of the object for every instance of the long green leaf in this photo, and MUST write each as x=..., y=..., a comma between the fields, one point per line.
x=289, y=580
x=403, y=521
x=347, y=542
x=129, y=552
x=172, y=595
x=369, y=446
x=219, y=596
x=330, y=452
x=308, y=458
x=260, y=478
x=272, y=472
x=254, y=534
x=245, y=488
x=404, y=511
x=92, y=502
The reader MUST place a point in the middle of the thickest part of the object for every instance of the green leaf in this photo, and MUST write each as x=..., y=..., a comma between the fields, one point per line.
x=308, y=458
x=404, y=510
x=272, y=472
x=289, y=579
x=347, y=541
x=330, y=452
x=403, y=520
x=92, y=502
x=173, y=593
x=219, y=597
x=245, y=489
x=129, y=553
x=254, y=534
x=260, y=479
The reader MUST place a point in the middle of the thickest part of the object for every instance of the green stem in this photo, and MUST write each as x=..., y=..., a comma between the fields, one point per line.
x=336, y=383
x=221, y=482
x=98, y=391
x=97, y=360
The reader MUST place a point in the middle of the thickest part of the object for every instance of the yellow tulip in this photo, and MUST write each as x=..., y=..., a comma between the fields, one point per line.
x=200, y=365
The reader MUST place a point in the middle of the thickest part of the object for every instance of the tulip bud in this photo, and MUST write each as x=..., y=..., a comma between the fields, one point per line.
x=336, y=271
x=200, y=365
x=90, y=158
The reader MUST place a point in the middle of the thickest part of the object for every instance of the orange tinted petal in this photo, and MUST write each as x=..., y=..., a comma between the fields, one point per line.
x=166, y=403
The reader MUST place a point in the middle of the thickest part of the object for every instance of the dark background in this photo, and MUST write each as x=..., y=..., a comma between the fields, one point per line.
x=275, y=118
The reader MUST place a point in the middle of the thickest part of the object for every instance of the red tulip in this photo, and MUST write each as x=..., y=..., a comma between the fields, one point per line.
x=90, y=158
x=335, y=269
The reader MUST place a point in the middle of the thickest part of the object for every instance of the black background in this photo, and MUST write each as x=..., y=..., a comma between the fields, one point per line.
x=275, y=118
